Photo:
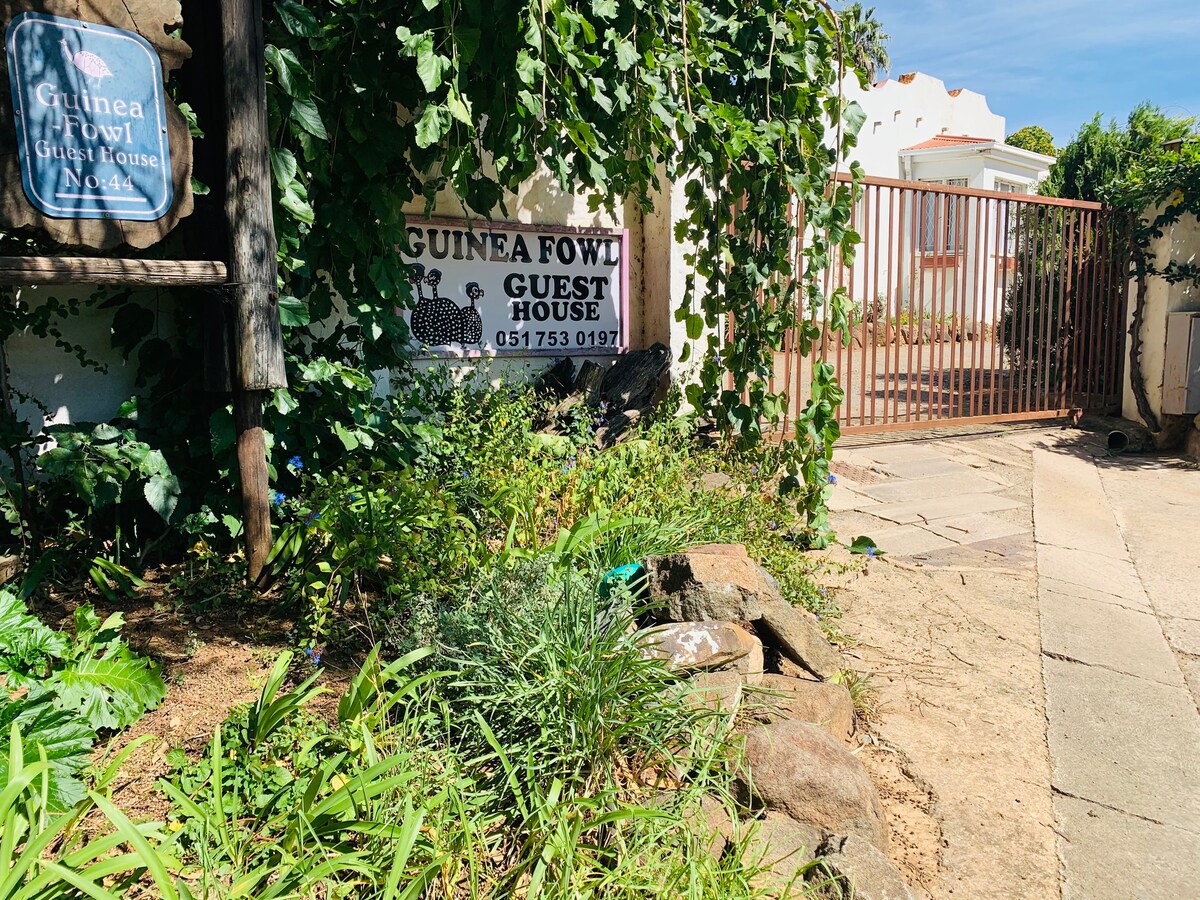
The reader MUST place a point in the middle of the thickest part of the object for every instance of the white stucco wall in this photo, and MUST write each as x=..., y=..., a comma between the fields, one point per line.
x=910, y=109
x=1181, y=243
x=54, y=378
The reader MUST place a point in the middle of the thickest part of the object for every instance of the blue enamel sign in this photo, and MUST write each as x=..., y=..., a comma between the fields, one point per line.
x=91, y=119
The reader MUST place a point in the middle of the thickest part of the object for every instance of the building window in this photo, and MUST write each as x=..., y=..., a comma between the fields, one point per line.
x=940, y=208
x=1011, y=187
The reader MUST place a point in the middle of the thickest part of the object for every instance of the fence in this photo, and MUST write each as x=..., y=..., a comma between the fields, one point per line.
x=972, y=306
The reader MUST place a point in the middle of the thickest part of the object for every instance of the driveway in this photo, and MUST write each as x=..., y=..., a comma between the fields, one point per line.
x=1033, y=630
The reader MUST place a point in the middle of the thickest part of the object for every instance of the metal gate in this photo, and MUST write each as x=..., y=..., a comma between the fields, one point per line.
x=972, y=306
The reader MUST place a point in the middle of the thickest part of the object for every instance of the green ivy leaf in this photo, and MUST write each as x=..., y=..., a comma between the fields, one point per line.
x=431, y=65
x=162, y=492
x=297, y=19
x=304, y=113
x=283, y=164
x=293, y=313
x=434, y=123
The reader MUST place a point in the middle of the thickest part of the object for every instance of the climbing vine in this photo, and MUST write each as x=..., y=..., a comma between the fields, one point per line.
x=1156, y=192
x=375, y=107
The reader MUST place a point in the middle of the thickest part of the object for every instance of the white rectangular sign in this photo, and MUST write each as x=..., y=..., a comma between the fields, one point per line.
x=517, y=290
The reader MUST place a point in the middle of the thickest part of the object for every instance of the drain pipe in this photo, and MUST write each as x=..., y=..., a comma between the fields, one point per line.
x=1118, y=442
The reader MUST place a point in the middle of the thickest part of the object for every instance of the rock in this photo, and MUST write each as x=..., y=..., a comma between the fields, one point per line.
x=752, y=666
x=720, y=691
x=729, y=549
x=779, y=848
x=801, y=771
x=714, y=820
x=820, y=703
x=714, y=481
x=706, y=587
x=871, y=875
x=801, y=639
x=709, y=587
x=699, y=645
x=636, y=380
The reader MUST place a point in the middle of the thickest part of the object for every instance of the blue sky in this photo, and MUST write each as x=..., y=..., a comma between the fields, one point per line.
x=1053, y=63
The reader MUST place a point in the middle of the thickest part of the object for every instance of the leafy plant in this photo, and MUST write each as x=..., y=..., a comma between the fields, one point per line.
x=73, y=687
x=45, y=856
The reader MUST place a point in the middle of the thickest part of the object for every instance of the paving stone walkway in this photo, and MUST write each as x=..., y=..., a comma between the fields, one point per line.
x=1109, y=548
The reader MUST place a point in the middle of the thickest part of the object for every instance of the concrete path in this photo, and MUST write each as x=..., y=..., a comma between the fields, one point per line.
x=1039, y=562
x=1123, y=727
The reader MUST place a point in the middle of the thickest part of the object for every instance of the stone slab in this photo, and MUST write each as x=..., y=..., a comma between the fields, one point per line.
x=909, y=540
x=1124, y=742
x=1073, y=510
x=1183, y=634
x=1103, y=634
x=939, y=467
x=1071, y=589
x=1093, y=571
x=943, y=508
x=1109, y=855
x=901, y=452
x=975, y=528
x=930, y=488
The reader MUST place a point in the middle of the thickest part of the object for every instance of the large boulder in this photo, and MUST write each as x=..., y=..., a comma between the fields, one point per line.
x=868, y=872
x=699, y=645
x=720, y=691
x=778, y=849
x=799, y=770
x=708, y=586
x=820, y=703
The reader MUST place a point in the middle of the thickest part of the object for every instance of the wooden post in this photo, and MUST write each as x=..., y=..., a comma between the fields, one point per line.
x=257, y=341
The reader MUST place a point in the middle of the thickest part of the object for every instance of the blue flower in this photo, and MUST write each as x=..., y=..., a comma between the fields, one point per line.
x=833, y=479
x=821, y=591
x=353, y=497
x=314, y=653
x=296, y=462
x=754, y=469
x=871, y=552
x=278, y=498
x=772, y=525
x=312, y=517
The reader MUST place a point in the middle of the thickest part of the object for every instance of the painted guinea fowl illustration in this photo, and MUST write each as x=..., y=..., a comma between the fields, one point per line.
x=470, y=323
x=435, y=320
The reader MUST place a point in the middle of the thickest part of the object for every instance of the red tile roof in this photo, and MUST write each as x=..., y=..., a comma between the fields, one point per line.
x=949, y=140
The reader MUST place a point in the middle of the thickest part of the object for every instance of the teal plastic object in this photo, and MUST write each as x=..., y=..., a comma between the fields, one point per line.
x=633, y=574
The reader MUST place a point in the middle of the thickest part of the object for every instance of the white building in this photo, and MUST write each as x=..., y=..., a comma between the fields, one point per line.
x=916, y=130
x=941, y=254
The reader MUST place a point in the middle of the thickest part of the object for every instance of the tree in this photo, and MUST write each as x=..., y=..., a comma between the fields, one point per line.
x=1033, y=138
x=865, y=39
x=1098, y=157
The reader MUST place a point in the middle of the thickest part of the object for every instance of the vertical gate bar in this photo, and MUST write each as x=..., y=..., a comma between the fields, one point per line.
x=1028, y=226
x=1039, y=310
x=955, y=268
x=959, y=347
x=1107, y=313
x=1062, y=338
x=1096, y=339
x=785, y=342
x=1087, y=314
x=1037, y=262
x=1120, y=304
x=876, y=311
x=938, y=351
x=917, y=303
x=801, y=315
x=978, y=279
x=1006, y=325
x=995, y=323
x=896, y=279
x=848, y=338
x=1014, y=309
x=890, y=326
x=1082, y=292
x=1053, y=248
x=949, y=284
x=838, y=337
x=866, y=292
